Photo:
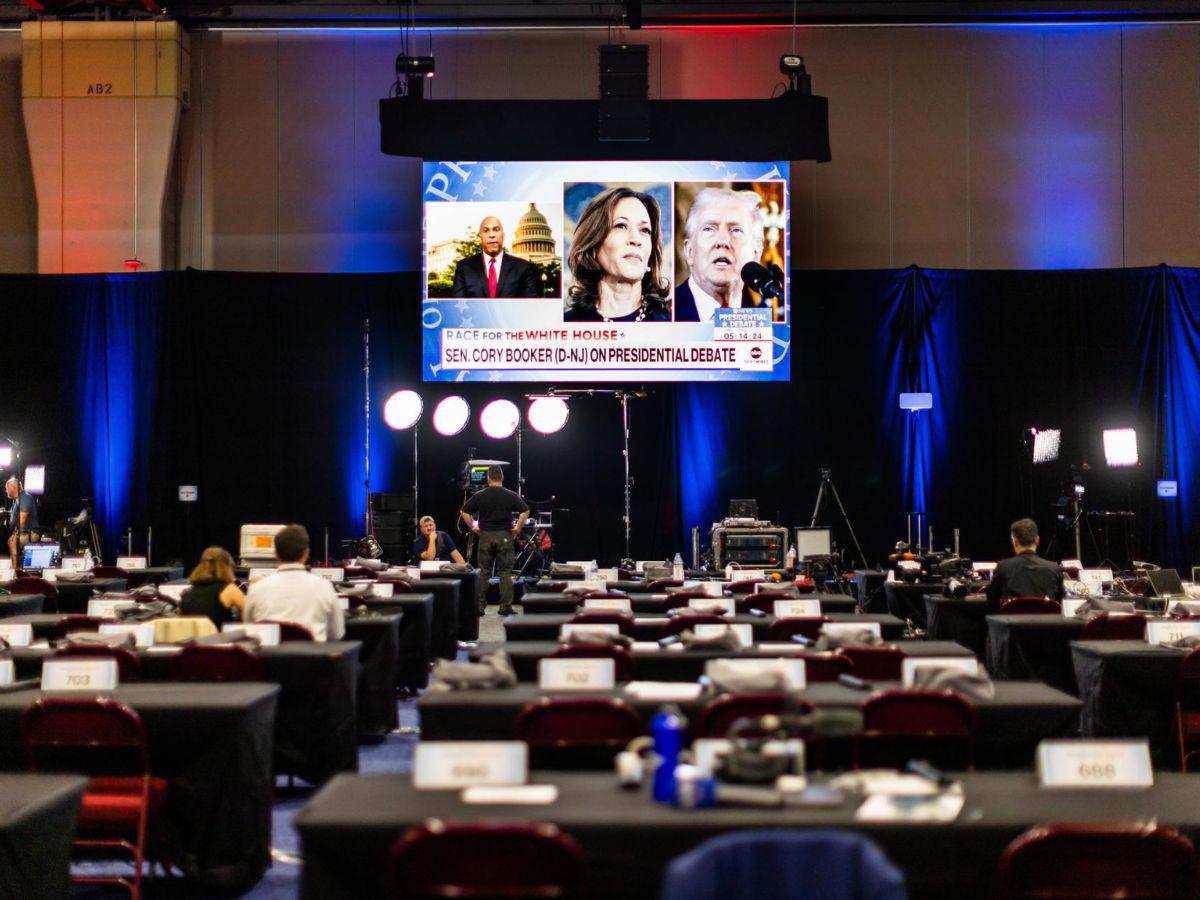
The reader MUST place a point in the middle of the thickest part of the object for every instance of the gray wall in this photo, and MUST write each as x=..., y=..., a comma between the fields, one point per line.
x=1007, y=147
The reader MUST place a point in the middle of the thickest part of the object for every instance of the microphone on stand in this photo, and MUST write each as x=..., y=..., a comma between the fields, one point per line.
x=764, y=281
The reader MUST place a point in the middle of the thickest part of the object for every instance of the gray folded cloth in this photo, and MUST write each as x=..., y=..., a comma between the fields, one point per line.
x=726, y=678
x=375, y=565
x=456, y=568
x=493, y=670
x=75, y=577
x=561, y=570
x=146, y=590
x=234, y=636
x=587, y=637
x=575, y=590
x=1095, y=605
x=657, y=571
x=726, y=639
x=144, y=612
x=714, y=605
x=95, y=639
x=937, y=678
x=1191, y=642
x=1182, y=608
x=359, y=590
x=863, y=638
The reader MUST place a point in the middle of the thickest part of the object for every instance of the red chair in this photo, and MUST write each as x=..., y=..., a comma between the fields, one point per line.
x=577, y=732
x=129, y=667
x=1030, y=606
x=1115, y=627
x=688, y=621
x=1187, y=707
x=548, y=587
x=215, y=662
x=903, y=725
x=1071, y=572
x=290, y=631
x=676, y=599
x=70, y=624
x=825, y=666
x=660, y=585
x=786, y=629
x=1133, y=860
x=622, y=658
x=719, y=714
x=744, y=587
x=485, y=859
x=876, y=663
x=105, y=740
x=623, y=620
x=109, y=572
x=27, y=584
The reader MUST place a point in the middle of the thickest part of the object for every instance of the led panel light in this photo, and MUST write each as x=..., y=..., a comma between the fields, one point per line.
x=548, y=414
x=499, y=419
x=1120, y=446
x=451, y=415
x=1045, y=444
x=403, y=410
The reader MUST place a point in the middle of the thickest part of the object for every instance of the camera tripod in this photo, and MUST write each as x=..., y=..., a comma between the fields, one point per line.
x=828, y=488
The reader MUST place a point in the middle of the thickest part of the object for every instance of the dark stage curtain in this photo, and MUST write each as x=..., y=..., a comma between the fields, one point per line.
x=251, y=387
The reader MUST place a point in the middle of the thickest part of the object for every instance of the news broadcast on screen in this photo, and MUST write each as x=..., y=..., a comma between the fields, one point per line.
x=605, y=271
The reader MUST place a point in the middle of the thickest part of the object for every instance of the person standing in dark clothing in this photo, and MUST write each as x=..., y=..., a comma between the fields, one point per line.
x=22, y=520
x=489, y=514
x=1026, y=574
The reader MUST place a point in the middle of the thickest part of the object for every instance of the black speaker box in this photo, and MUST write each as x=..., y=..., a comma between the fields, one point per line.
x=392, y=502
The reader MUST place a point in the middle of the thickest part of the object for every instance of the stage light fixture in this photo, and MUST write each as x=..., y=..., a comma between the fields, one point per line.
x=915, y=402
x=451, y=415
x=6, y=456
x=403, y=410
x=1045, y=444
x=499, y=419
x=1120, y=447
x=35, y=480
x=547, y=414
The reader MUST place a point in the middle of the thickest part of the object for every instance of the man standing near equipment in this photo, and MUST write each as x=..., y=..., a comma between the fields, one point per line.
x=495, y=507
x=22, y=520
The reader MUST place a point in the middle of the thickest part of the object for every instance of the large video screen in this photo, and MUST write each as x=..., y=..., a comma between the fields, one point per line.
x=605, y=271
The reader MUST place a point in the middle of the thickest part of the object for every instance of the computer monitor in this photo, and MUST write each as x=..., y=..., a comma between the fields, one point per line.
x=40, y=556
x=1165, y=583
x=257, y=542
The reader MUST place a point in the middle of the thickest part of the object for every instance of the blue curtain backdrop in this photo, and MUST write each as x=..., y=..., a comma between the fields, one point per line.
x=251, y=386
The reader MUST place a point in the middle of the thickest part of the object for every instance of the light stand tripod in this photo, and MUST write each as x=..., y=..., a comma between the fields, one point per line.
x=828, y=488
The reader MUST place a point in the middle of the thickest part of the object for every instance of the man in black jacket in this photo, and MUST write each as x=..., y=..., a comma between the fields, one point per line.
x=1026, y=574
x=494, y=273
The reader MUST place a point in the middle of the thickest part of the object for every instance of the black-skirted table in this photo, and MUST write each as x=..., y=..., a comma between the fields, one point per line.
x=315, y=721
x=1037, y=647
x=535, y=627
x=213, y=744
x=1128, y=690
x=907, y=600
x=73, y=596
x=153, y=575
x=379, y=662
x=38, y=815
x=416, y=641
x=347, y=828
x=868, y=583
x=468, y=590
x=679, y=664
x=1009, y=725
x=658, y=604
x=959, y=619
x=20, y=605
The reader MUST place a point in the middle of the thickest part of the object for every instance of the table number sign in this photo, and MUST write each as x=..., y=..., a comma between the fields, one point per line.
x=837, y=629
x=744, y=632
x=1071, y=604
x=266, y=632
x=382, y=589
x=74, y=564
x=1095, y=579
x=567, y=631
x=107, y=609
x=732, y=574
x=577, y=674
x=17, y=635
x=1094, y=764
x=79, y=674
x=131, y=562
x=8, y=672
x=910, y=665
x=329, y=574
x=430, y=565
x=713, y=588
x=621, y=604
x=793, y=609
x=793, y=670
x=724, y=605
x=443, y=765
x=413, y=571
x=143, y=632
x=589, y=585
x=1159, y=631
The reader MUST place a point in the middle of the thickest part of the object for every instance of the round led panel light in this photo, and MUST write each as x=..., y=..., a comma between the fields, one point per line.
x=451, y=415
x=402, y=410
x=548, y=414
x=499, y=419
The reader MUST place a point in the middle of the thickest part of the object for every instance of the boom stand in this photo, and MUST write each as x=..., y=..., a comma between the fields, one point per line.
x=827, y=483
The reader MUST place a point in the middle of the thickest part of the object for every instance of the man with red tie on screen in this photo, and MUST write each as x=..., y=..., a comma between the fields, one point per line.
x=494, y=273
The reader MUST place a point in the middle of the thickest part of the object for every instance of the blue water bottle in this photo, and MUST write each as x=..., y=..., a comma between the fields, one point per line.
x=666, y=728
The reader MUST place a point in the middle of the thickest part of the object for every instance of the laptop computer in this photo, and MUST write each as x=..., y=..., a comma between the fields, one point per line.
x=1166, y=583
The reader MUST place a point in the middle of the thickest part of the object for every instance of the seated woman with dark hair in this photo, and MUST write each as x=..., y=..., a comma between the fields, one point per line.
x=615, y=257
x=213, y=592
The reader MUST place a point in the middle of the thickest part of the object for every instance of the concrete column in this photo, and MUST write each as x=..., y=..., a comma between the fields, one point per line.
x=101, y=102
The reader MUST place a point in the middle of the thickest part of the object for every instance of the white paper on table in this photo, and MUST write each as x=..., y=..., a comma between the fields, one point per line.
x=943, y=807
x=514, y=794
x=646, y=646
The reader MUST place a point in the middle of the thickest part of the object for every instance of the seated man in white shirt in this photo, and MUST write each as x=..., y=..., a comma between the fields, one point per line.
x=293, y=594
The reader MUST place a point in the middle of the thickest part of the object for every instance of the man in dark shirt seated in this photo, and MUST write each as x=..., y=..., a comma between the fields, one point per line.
x=495, y=507
x=1026, y=574
x=432, y=544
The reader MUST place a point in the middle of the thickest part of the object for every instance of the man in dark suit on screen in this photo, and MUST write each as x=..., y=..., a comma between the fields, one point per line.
x=1026, y=574
x=494, y=273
